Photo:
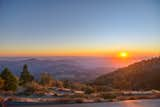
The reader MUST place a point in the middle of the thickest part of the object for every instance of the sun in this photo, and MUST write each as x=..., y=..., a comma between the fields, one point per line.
x=123, y=54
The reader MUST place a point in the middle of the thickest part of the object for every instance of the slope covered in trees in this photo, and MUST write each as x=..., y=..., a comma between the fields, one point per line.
x=143, y=75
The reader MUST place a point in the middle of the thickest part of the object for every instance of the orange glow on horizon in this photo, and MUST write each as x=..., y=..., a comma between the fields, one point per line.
x=45, y=52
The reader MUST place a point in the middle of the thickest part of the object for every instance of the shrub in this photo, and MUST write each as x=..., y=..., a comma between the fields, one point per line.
x=89, y=90
x=108, y=95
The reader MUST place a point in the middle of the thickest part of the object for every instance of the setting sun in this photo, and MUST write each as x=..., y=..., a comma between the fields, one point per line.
x=123, y=54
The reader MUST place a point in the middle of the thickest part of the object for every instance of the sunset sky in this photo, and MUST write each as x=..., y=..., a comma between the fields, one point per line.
x=79, y=27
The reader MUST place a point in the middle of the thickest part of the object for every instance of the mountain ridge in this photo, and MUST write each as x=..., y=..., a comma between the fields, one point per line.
x=144, y=74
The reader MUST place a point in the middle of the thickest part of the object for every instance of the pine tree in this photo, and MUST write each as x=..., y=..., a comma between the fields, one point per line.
x=10, y=81
x=25, y=77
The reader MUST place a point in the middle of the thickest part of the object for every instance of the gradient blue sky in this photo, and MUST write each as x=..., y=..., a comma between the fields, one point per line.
x=65, y=27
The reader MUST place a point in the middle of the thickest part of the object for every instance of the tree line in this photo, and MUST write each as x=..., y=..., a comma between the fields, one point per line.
x=10, y=82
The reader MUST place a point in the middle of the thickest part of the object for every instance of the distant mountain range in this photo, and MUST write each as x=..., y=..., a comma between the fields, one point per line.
x=75, y=69
x=143, y=75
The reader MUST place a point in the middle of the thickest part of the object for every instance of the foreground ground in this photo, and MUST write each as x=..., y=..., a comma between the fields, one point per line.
x=128, y=103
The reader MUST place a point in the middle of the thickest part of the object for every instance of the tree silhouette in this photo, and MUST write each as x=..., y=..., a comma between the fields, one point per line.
x=10, y=81
x=25, y=77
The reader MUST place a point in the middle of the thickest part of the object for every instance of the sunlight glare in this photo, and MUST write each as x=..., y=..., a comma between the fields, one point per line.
x=123, y=54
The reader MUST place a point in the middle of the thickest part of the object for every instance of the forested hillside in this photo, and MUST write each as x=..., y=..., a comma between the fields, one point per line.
x=142, y=75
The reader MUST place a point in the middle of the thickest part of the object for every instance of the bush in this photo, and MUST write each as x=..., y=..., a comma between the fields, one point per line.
x=108, y=95
x=47, y=80
x=89, y=90
x=79, y=96
x=32, y=87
